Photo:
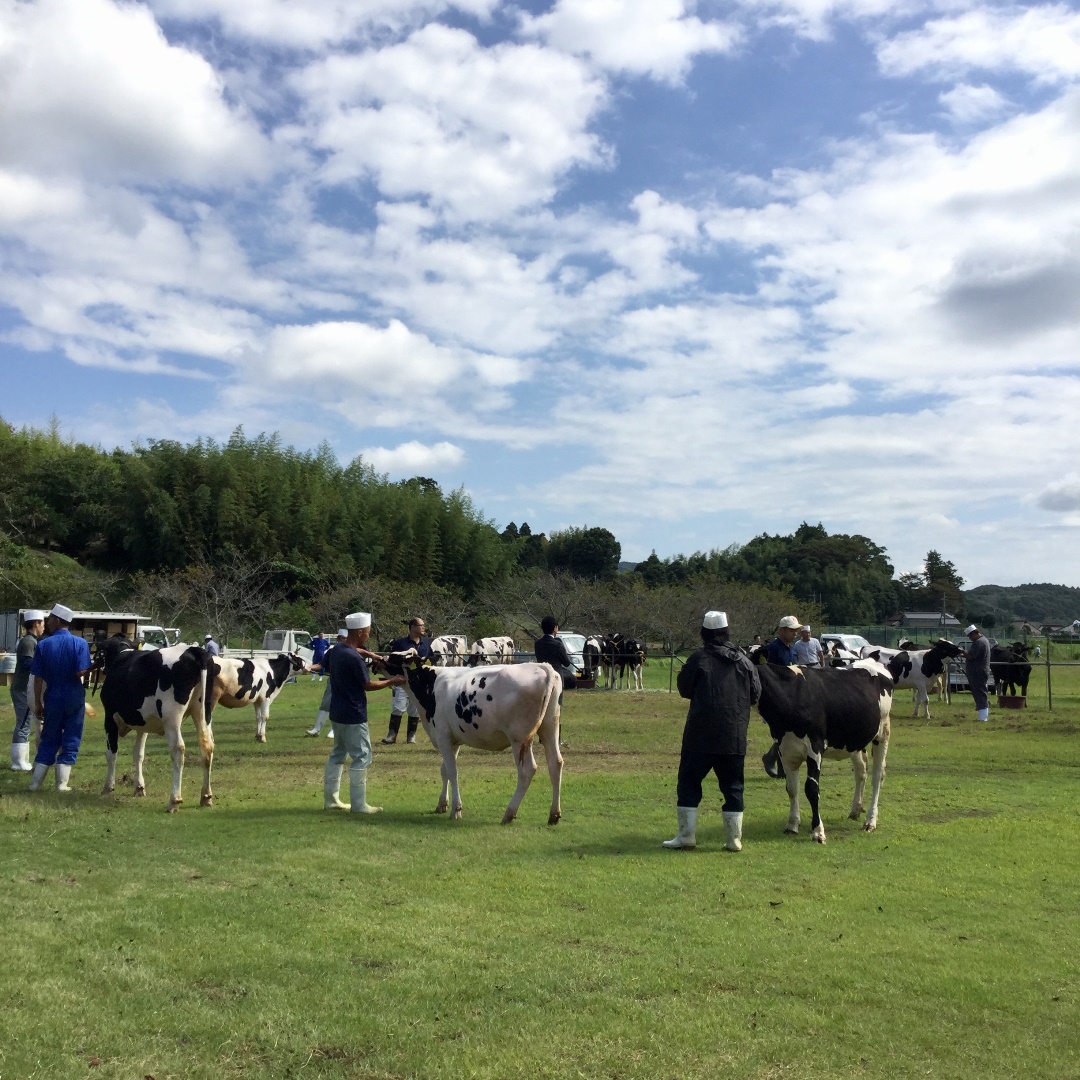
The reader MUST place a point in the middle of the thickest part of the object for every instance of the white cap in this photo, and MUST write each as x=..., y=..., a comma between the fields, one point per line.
x=64, y=614
x=971, y=629
x=714, y=620
x=33, y=615
x=789, y=622
x=343, y=632
x=208, y=637
x=807, y=629
x=358, y=620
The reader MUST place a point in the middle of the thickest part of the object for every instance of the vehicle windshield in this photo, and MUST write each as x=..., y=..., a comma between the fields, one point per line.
x=574, y=642
x=854, y=642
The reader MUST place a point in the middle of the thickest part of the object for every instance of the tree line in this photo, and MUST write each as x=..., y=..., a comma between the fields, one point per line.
x=237, y=534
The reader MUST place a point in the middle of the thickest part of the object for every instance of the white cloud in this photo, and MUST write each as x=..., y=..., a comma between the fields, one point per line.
x=1041, y=41
x=659, y=38
x=315, y=22
x=478, y=131
x=93, y=87
x=414, y=458
x=973, y=104
x=1061, y=495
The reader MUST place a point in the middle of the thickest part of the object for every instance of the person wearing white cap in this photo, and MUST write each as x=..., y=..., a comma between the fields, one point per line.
x=61, y=663
x=721, y=684
x=349, y=686
x=977, y=668
x=808, y=650
x=211, y=646
x=322, y=667
x=781, y=650
x=34, y=624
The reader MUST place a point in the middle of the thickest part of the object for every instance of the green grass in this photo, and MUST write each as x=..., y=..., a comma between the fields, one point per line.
x=267, y=938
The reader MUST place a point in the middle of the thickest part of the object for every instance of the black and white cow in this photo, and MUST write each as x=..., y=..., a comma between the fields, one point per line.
x=492, y=650
x=834, y=712
x=449, y=650
x=152, y=692
x=590, y=657
x=491, y=708
x=919, y=669
x=629, y=662
x=238, y=683
x=1011, y=668
x=610, y=646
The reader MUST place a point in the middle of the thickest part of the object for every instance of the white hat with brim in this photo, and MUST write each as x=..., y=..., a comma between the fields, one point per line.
x=343, y=632
x=714, y=620
x=33, y=615
x=64, y=614
x=807, y=629
x=972, y=629
x=358, y=620
x=208, y=637
x=789, y=622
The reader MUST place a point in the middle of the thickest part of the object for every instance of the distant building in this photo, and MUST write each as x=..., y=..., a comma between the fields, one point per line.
x=928, y=620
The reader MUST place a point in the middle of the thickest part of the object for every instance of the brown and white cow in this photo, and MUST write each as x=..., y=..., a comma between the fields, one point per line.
x=490, y=708
x=238, y=683
x=152, y=692
x=492, y=650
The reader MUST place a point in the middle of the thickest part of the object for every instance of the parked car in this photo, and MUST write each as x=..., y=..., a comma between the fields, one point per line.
x=575, y=645
x=848, y=646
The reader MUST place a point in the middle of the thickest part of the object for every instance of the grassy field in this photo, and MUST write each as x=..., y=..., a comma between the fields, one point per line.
x=267, y=938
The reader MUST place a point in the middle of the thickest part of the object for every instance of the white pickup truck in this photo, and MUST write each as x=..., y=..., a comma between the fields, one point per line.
x=277, y=641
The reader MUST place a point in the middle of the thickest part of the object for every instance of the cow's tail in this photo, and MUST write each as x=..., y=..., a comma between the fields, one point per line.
x=207, y=687
x=551, y=710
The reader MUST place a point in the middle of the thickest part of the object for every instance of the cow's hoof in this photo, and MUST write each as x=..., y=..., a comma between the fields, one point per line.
x=173, y=807
x=870, y=826
x=207, y=800
x=260, y=738
x=456, y=814
x=106, y=790
x=140, y=793
x=507, y=818
x=855, y=814
x=792, y=830
x=441, y=808
x=818, y=838
x=553, y=818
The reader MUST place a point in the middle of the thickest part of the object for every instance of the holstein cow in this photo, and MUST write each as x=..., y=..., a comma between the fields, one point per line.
x=449, y=650
x=152, y=692
x=834, y=712
x=238, y=683
x=490, y=708
x=590, y=657
x=492, y=650
x=918, y=669
x=1010, y=667
x=630, y=661
x=609, y=657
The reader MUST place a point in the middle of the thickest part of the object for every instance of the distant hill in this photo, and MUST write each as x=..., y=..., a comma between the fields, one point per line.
x=1042, y=603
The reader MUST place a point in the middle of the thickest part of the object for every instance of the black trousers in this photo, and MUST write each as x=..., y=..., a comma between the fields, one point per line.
x=693, y=768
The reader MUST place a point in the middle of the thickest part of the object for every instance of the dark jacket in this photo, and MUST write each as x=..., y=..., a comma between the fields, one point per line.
x=550, y=650
x=721, y=684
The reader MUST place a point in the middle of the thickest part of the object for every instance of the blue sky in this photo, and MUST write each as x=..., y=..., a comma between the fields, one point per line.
x=687, y=271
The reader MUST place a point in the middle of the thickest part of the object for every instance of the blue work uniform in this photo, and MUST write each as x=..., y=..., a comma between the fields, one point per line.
x=776, y=652
x=58, y=659
x=349, y=678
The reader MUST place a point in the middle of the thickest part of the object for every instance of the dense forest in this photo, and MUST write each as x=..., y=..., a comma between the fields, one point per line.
x=1042, y=603
x=233, y=534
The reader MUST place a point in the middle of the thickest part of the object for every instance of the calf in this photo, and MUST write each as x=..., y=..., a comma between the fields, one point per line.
x=490, y=708
x=834, y=712
x=449, y=650
x=492, y=650
x=919, y=669
x=590, y=657
x=257, y=681
x=152, y=692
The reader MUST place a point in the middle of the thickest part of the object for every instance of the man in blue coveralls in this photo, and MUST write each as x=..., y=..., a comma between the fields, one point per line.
x=781, y=650
x=61, y=662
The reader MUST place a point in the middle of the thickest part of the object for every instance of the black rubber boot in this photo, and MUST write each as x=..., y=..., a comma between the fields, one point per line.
x=771, y=760
x=395, y=727
x=414, y=723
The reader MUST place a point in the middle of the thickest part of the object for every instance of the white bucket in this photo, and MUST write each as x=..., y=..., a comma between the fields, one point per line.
x=7, y=663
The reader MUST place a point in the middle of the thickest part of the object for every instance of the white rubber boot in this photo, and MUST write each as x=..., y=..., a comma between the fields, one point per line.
x=331, y=785
x=39, y=775
x=321, y=719
x=63, y=775
x=20, y=757
x=687, y=837
x=358, y=794
x=983, y=715
x=732, y=831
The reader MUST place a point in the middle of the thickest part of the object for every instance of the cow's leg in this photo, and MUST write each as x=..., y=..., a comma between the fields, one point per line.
x=526, y=770
x=549, y=740
x=638, y=682
x=262, y=711
x=858, y=767
x=922, y=701
x=138, y=755
x=206, y=750
x=176, y=751
x=813, y=784
x=112, y=741
x=792, y=753
x=881, y=748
